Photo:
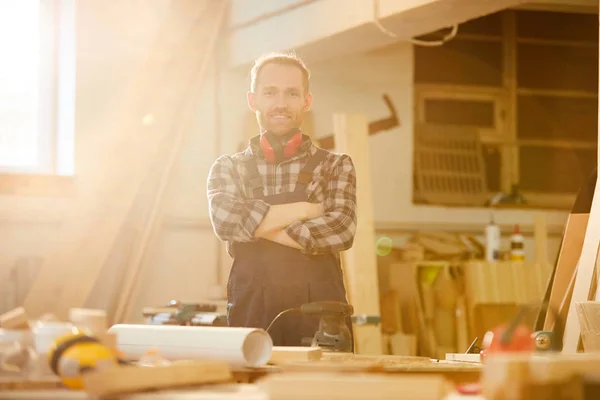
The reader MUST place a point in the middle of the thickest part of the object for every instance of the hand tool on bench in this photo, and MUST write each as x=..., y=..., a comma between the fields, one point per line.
x=516, y=337
x=473, y=348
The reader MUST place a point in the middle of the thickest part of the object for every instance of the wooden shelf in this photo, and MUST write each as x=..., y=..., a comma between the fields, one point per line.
x=556, y=93
x=544, y=106
x=555, y=42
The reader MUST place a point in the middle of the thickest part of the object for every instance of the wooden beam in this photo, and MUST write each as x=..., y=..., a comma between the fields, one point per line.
x=114, y=164
x=385, y=124
x=360, y=261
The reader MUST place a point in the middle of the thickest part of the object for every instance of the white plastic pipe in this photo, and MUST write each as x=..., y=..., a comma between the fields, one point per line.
x=243, y=347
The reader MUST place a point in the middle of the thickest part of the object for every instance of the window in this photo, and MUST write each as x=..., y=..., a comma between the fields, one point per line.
x=527, y=82
x=37, y=77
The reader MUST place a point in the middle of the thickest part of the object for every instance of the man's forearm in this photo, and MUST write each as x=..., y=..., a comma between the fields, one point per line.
x=282, y=215
x=281, y=237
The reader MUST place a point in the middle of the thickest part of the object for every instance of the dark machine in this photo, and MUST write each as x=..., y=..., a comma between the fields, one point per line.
x=333, y=333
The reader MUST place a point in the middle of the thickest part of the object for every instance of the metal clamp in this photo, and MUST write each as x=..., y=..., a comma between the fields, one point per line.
x=364, y=319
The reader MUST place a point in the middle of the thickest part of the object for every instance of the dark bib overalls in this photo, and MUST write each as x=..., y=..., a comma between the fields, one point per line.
x=267, y=278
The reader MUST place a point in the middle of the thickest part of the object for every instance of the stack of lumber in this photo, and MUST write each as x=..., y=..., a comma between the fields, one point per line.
x=445, y=305
x=448, y=246
x=440, y=246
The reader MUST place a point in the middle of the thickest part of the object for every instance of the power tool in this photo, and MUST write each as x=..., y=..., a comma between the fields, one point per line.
x=333, y=333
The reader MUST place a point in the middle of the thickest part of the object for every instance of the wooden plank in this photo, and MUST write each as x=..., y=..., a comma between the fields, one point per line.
x=569, y=254
x=401, y=278
x=589, y=322
x=540, y=233
x=360, y=261
x=14, y=319
x=474, y=358
x=114, y=162
x=391, y=315
x=330, y=386
x=16, y=384
x=585, y=272
x=226, y=391
x=130, y=379
x=444, y=322
x=462, y=321
x=402, y=344
x=284, y=354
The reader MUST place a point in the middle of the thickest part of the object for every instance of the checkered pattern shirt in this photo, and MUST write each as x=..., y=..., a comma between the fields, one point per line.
x=235, y=214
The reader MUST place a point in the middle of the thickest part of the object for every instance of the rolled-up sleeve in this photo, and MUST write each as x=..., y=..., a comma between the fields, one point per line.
x=334, y=231
x=233, y=217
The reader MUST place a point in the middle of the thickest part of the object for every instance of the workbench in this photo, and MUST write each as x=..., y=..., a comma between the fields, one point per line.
x=246, y=382
x=218, y=392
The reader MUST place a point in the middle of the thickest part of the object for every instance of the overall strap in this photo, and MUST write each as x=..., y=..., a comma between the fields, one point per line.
x=254, y=178
x=306, y=174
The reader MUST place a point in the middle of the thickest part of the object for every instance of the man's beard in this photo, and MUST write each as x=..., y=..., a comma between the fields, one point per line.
x=280, y=130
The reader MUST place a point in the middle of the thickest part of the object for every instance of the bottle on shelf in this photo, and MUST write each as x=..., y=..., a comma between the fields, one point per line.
x=492, y=241
x=517, y=245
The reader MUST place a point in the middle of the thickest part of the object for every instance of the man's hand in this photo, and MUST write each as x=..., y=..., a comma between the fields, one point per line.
x=281, y=237
x=313, y=210
x=282, y=215
x=306, y=211
x=334, y=230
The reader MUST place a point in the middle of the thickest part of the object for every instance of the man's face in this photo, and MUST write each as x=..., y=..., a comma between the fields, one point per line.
x=280, y=100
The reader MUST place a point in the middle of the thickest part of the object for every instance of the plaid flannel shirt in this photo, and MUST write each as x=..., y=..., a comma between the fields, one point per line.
x=235, y=214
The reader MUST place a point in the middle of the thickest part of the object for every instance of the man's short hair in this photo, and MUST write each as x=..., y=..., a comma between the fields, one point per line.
x=282, y=58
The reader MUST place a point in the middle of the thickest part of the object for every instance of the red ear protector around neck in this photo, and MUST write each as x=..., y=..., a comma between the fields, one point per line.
x=277, y=149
